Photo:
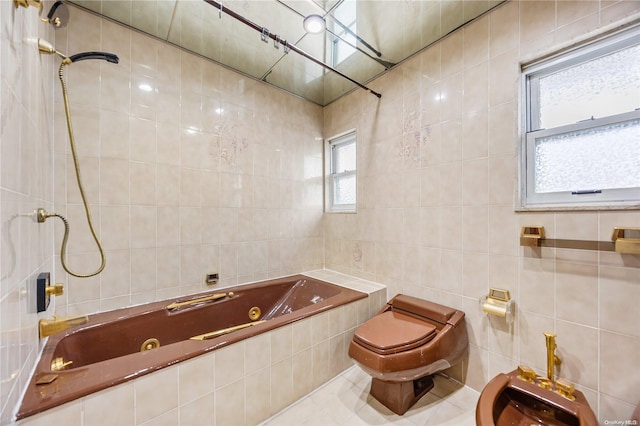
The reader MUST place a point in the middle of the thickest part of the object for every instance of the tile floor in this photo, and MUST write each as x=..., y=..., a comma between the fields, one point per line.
x=345, y=400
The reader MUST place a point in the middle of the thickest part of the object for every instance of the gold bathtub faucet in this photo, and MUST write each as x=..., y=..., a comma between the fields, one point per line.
x=56, y=325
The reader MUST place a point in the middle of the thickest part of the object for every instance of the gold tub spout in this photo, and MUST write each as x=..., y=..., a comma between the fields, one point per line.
x=56, y=325
x=552, y=358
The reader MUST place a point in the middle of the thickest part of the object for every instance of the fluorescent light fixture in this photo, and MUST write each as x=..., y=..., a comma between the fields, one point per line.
x=314, y=24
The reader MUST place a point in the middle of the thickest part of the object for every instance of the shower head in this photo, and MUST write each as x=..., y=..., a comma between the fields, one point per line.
x=109, y=57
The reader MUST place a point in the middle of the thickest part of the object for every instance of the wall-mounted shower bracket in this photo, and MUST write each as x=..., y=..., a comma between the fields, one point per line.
x=42, y=215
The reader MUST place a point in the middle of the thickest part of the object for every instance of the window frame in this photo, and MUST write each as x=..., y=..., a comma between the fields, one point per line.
x=331, y=144
x=614, y=198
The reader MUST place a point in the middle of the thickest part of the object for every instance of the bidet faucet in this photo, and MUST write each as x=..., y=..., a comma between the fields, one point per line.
x=552, y=358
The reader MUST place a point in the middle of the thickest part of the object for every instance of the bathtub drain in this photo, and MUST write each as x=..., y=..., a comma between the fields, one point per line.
x=149, y=344
x=254, y=313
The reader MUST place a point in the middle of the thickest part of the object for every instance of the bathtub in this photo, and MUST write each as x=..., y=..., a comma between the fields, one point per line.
x=117, y=346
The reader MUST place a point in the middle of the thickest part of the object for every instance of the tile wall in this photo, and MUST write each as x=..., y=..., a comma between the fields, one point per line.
x=437, y=181
x=205, y=174
x=26, y=171
x=190, y=169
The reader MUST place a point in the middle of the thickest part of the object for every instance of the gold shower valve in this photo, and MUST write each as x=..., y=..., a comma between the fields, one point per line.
x=54, y=290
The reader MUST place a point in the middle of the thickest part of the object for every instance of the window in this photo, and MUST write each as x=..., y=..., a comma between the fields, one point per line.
x=582, y=127
x=341, y=173
x=345, y=27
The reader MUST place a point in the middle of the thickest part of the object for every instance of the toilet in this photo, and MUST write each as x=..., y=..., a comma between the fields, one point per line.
x=401, y=347
x=511, y=400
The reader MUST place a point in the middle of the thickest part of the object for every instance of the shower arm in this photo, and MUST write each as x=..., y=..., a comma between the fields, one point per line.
x=286, y=44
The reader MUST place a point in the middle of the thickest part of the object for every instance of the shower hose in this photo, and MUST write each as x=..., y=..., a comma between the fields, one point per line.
x=63, y=249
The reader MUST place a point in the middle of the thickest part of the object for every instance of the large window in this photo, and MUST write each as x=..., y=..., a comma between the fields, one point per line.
x=341, y=173
x=582, y=123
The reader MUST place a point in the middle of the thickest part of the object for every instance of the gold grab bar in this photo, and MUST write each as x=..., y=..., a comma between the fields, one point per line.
x=220, y=332
x=176, y=305
x=623, y=240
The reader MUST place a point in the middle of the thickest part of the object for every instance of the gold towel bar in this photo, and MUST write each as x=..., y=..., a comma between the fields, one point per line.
x=624, y=240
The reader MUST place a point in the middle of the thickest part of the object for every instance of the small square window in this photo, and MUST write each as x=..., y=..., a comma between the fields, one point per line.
x=341, y=173
x=581, y=146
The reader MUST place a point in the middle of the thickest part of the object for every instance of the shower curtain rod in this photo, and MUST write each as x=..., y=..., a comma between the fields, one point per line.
x=276, y=38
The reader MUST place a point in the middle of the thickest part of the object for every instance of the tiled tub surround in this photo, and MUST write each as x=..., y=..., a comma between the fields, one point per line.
x=243, y=383
x=26, y=183
x=437, y=180
x=203, y=173
x=111, y=347
x=189, y=168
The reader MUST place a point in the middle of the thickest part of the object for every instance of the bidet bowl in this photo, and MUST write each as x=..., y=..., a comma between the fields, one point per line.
x=508, y=400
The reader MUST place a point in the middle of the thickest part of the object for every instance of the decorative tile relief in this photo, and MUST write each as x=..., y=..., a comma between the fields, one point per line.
x=411, y=150
x=229, y=141
x=357, y=256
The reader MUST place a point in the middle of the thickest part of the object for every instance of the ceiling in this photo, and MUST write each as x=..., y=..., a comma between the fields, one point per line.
x=383, y=33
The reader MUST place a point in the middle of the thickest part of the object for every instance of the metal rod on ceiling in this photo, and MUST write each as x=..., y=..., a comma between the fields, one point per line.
x=385, y=64
x=286, y=44
x=357, y=37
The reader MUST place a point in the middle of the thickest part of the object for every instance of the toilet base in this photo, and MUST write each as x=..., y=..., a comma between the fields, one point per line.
x=400, y=396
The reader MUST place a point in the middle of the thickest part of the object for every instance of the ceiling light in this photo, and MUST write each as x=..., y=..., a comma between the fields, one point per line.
x=314, y=24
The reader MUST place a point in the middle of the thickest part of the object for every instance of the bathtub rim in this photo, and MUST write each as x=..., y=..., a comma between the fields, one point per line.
x=33, y=403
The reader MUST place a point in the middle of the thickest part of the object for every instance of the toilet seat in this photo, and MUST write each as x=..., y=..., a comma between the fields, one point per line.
x=393, y=332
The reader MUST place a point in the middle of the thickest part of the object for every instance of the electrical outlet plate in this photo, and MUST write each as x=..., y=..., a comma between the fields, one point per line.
x=42, y=298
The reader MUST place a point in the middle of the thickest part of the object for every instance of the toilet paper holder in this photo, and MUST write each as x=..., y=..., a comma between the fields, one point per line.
x=499, y=303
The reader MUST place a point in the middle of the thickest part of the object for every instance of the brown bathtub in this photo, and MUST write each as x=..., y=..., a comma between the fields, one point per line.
x=109, y=348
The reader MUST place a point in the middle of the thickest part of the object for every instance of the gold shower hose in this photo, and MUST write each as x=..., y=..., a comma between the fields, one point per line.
x=63, y=249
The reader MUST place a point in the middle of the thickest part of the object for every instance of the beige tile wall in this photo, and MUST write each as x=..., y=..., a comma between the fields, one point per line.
x=241, y=384
x=190, y=168
x=26, y=171
x=437, y=163
x=204, y=173
x=177, y=190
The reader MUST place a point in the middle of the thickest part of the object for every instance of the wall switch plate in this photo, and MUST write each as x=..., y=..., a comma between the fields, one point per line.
x=42, y=298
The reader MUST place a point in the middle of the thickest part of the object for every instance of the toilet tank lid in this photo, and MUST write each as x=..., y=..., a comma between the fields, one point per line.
x=424, y=308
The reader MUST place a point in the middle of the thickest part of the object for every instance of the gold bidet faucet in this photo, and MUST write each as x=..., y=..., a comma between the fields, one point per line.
x=552, y=358
x=56, y=325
